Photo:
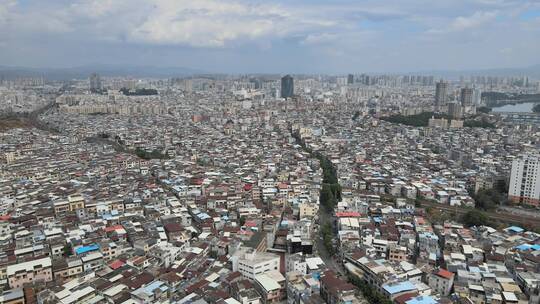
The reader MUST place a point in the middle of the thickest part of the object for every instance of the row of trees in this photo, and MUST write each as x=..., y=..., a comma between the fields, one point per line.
x=422, y=120
x=331, y=189
x=472, y=123
x=139, y=92
x=418, y=120
x=327, y=235
x=330, y=192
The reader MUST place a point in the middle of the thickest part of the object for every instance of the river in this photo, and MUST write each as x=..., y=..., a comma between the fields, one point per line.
x=520, y=108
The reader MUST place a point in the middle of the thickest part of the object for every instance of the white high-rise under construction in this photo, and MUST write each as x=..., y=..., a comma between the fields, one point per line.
x=524, y=185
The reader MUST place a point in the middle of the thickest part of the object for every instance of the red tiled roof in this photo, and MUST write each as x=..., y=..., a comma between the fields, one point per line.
x=116, y=264
x=196, y=286
x=250, y=224
x=402, y=299
x=443, y=273
x=113, y=228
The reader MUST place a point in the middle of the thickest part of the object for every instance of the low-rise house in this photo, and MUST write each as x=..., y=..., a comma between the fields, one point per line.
x=39, y=270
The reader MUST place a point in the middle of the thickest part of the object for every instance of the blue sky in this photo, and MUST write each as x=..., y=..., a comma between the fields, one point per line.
x=297, y=36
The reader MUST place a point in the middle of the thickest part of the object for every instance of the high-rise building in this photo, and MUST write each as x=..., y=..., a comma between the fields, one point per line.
x=441, y=94
x=466, y=96
x=350, y=79
x=524, y=185
x=95, y=82
x=287, y=86
x=477, y=96
x=454, y=110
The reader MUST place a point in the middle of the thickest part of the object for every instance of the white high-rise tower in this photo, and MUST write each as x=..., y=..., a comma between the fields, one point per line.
x=525, y=180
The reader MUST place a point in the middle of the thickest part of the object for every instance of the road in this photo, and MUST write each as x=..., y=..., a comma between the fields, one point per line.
x=328, y=259
x=503, y=217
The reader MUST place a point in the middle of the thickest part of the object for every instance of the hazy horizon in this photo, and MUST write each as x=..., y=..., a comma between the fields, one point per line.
x=272, y=36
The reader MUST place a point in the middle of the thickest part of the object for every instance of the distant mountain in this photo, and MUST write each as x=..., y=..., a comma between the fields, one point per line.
x=104, y=70
x=83, y=72
x=531, y=72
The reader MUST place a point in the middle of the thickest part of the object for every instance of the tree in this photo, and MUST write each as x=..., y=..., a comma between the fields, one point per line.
x=471, y=123
x=68, y=250
x=326, y=197
x=139, y=92
x=487, y=199
x=536, y=108
x=484, y=110
x=326, y=232
x=417, y=120
x=368, y=292
x=242, y=220
x=155, y=154
x=475, y=218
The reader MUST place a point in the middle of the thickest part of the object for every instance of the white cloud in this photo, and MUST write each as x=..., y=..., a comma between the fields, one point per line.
x=205, y=23
x=215, y=23
x=350, y=30
x=477, y=19
x=466, y=23
x=320, y=38
x=6, y=6
x=196, y=23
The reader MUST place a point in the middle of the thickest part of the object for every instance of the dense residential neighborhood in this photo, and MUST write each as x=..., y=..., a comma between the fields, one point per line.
x=257, y=189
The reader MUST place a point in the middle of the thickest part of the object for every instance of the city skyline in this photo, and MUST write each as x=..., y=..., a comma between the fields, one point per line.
x=272, y=36
x=270, y=151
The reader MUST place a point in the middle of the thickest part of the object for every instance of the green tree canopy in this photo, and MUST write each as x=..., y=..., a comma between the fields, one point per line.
x=475, y=218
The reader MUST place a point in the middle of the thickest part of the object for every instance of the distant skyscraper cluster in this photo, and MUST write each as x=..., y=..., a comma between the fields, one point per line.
x=390, y=80
x=494, y=81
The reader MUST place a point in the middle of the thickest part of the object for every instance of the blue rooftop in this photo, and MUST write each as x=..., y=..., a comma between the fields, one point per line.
x=525, y=247
x=429, y=235
x=203, y=216
x=474, y=269
x=85, y=249
x=421, y=300
x=399, y=287
x=149, y=289
x=515, y=229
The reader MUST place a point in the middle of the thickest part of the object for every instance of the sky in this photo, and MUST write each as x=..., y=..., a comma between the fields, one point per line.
x=281, y=36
